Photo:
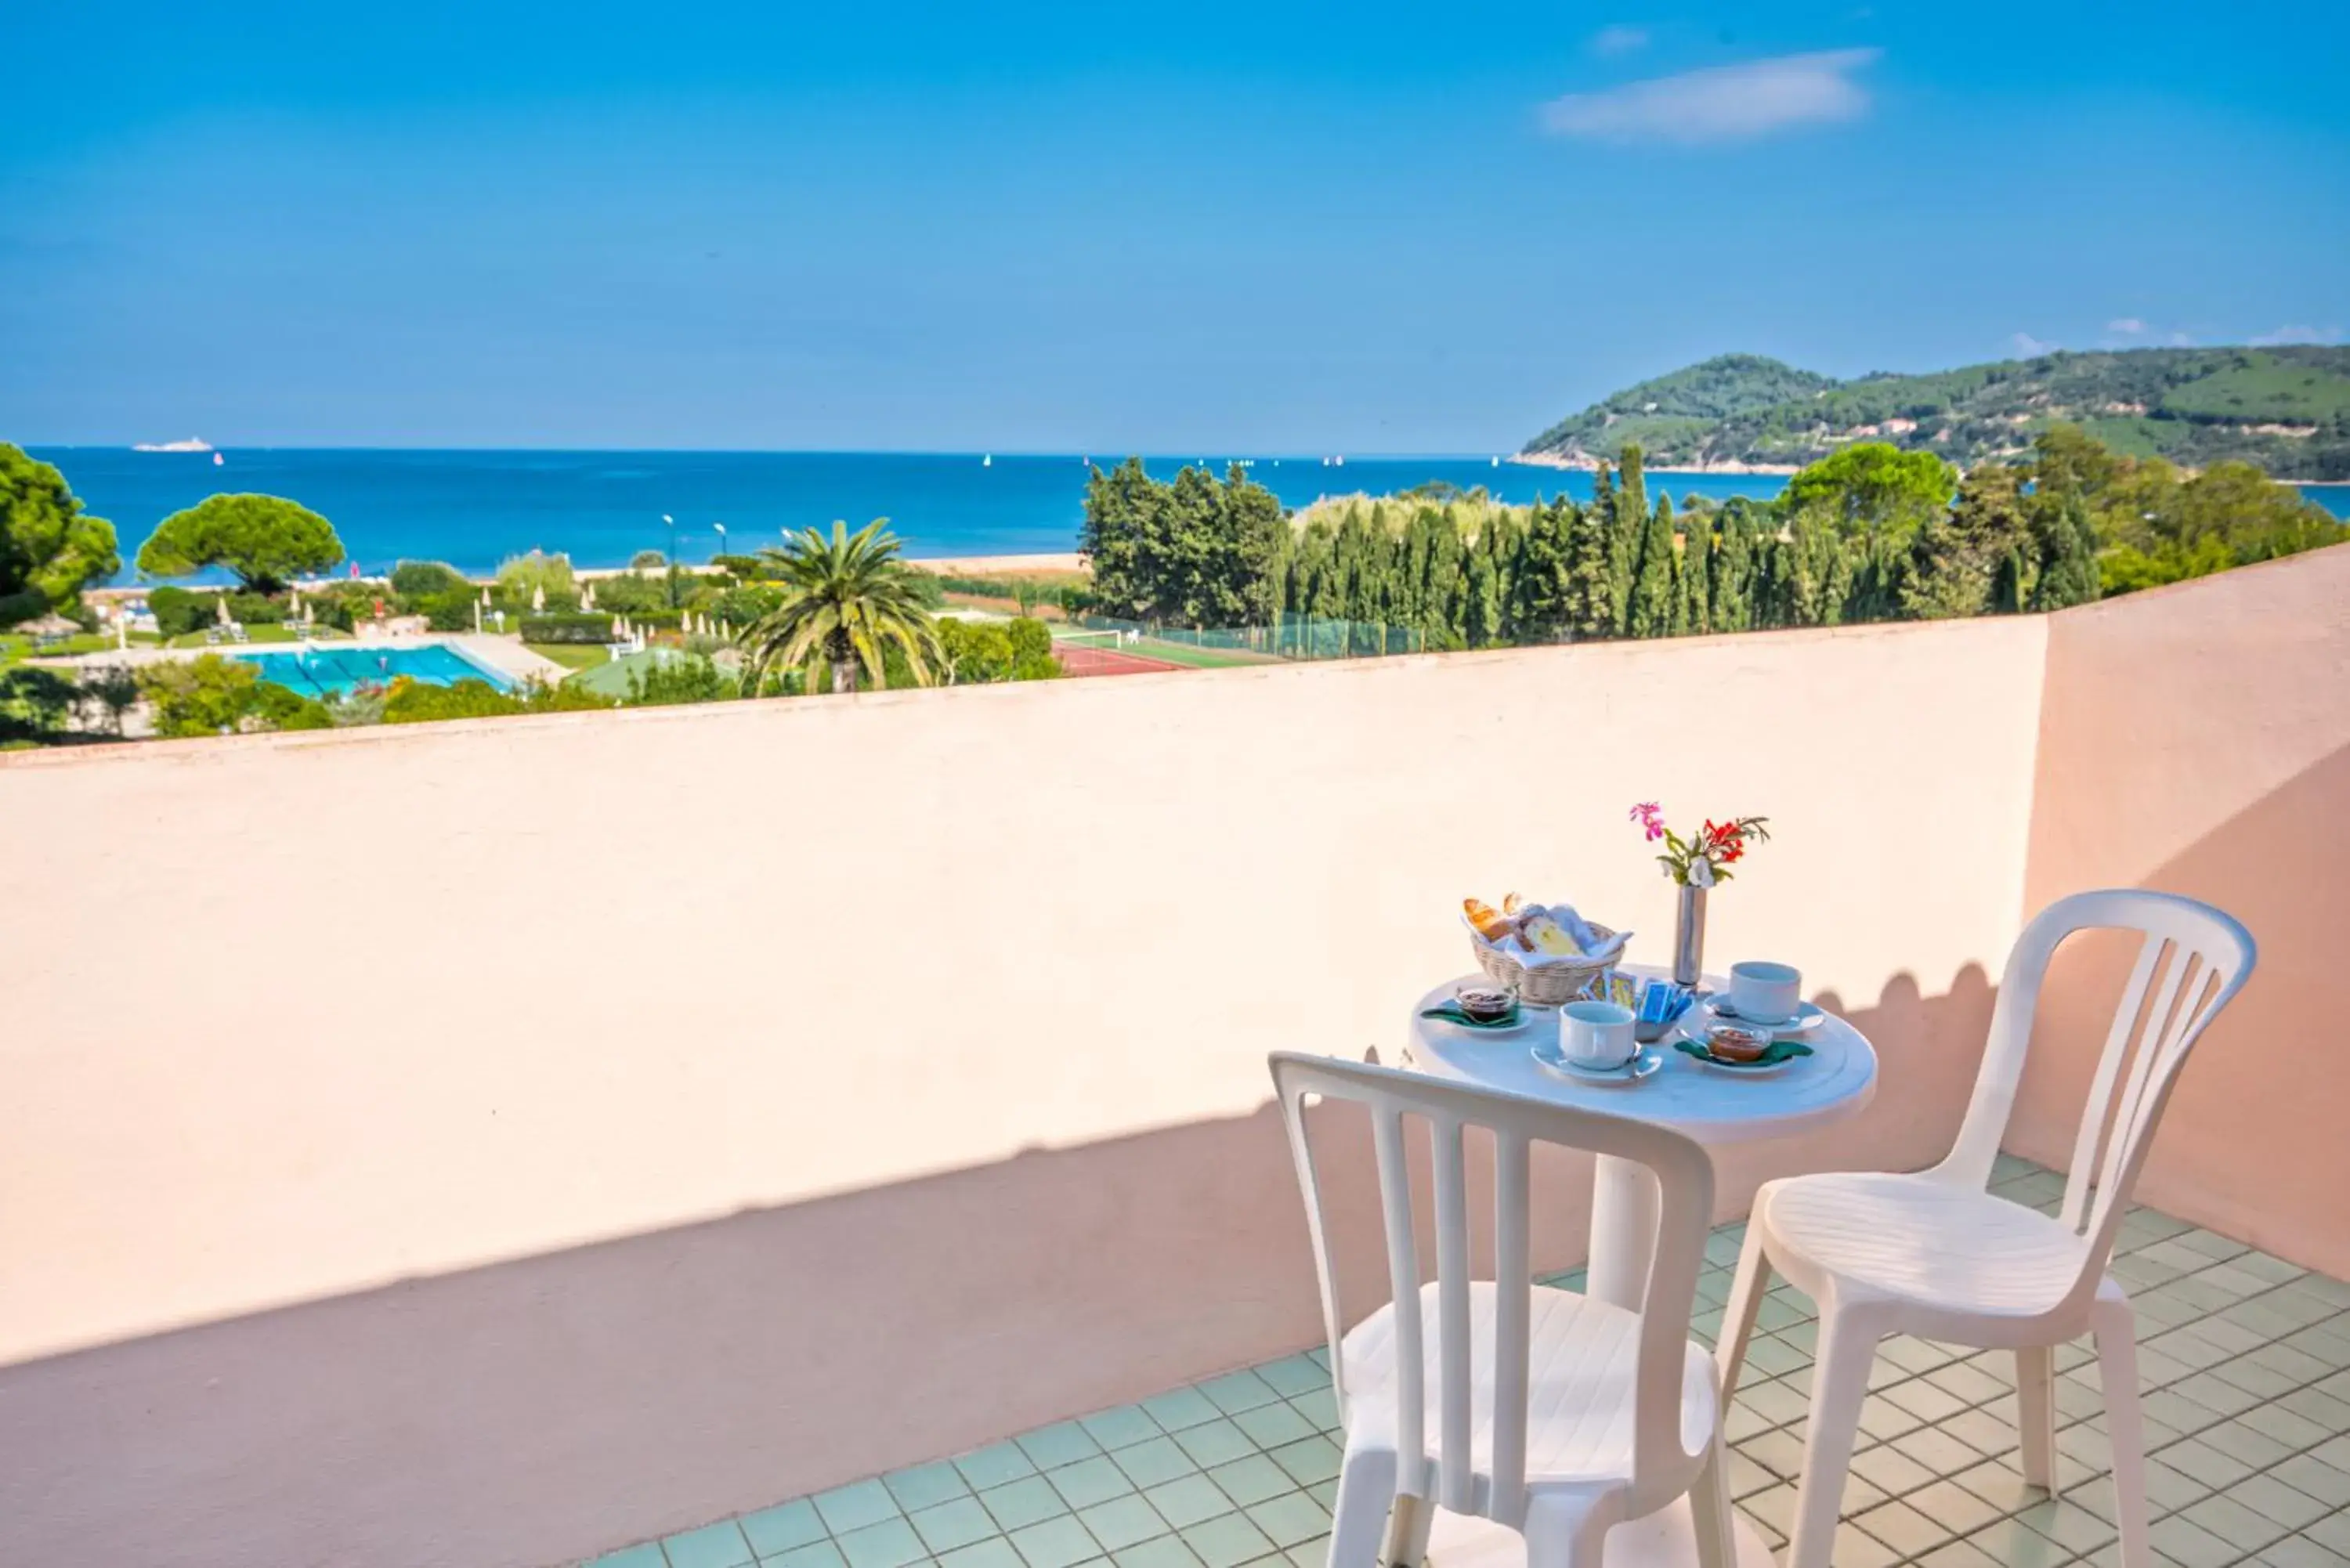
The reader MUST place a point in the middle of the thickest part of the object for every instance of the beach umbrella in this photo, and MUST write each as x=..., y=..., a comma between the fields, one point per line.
x=538, y=600
x=485, y=595
x=588, y=597
x=723, y=630
x=618, y=631
x=220, y=608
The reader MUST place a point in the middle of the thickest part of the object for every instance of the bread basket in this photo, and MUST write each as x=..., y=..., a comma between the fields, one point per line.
x=1541, y=980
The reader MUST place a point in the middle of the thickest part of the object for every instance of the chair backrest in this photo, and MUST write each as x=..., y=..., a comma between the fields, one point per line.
x=1685, y=1177
x=2192, y=959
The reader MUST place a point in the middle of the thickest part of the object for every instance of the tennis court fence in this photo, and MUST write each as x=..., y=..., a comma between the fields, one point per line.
x=1288, y=636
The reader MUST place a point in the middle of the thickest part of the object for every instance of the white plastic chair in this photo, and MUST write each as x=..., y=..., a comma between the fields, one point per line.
x=1936, y=1255
x=1546, y=1412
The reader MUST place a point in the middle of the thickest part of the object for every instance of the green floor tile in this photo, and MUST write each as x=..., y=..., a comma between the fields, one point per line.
x=953, y=1523
x=1251, y=1479
x=647, y=1555
x=1238, y=1391
x=1319, y=1407
x=720, y=1545
x=1312, y=1459
x=994, y=1466
x=1089, y=1482
x=925, y=1486
x=1055, y=1543
x=1166, y=1551
x=1148, y=1464
x=1189, y=1500
x=848, y=1508
x=1024, y=1502
x=775, y=1530
x=1289, y=1518
x=1270, y=1426
x=993, y=1552
x=891, y=1543
x=820, y=1554
x=1120, y=1428
x=1294, y=1375
x=1062, y=1444
x=1227, y=1541
x=1314, y=1554
x=1179, y=1408
x=1122, y=1522
x=1217, y=1442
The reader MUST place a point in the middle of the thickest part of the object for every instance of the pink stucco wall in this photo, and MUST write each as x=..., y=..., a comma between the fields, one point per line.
x=489, y=1143
x=2198, y=740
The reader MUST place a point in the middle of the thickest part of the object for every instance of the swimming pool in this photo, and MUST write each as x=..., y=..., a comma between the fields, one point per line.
x=324, y=670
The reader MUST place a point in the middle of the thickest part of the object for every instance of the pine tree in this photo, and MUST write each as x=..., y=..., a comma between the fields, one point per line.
x=2068, y=558
x=1590, y=611
x=1652, y=574
x=1627, y=520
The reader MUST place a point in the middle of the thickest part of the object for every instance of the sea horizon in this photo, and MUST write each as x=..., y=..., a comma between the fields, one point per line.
x=473, y=507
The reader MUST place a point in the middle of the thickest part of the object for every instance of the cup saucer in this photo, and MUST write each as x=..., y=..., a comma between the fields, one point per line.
x=1807, y=1017
x=1645, y=1062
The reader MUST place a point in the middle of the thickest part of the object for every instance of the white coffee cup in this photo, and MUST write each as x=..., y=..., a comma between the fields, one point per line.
x=1596, y=1035
x=1765, y=992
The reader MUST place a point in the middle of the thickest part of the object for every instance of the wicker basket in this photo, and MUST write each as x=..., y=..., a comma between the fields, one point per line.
x=1537, y=980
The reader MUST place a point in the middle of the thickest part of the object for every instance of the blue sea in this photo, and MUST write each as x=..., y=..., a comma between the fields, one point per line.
x=473, y=509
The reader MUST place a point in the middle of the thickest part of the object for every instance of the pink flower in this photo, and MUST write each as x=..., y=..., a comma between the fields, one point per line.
x=1650, y=817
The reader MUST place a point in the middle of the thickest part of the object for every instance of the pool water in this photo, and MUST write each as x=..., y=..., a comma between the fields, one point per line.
x=323, y=671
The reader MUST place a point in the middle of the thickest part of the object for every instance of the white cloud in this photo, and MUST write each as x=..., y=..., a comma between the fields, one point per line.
x=2126, y=326
x=1619, y=40
x=2031, y=347
x=2285, y=334
x=1721, y=103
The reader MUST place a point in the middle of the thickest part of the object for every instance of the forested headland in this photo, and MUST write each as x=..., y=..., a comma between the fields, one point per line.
x=1871, y=533
x=2286, y=410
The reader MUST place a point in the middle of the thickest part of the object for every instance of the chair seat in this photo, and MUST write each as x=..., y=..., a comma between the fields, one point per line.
x=1580, y=1362
x=1916, y=1239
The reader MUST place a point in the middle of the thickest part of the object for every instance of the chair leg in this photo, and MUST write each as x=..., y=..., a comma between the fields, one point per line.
x=2035, y=1404
x=1839, y=1383
x=1709, y=1510
x=2117, y=1370
x=1746, y=1293
x=1407, y=1531
x=1358, y=1515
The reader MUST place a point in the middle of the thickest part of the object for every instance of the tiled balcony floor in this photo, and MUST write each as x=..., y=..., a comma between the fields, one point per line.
x=2245, y=1360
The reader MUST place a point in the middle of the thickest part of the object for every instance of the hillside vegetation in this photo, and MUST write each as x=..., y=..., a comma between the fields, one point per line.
x=2284, y=411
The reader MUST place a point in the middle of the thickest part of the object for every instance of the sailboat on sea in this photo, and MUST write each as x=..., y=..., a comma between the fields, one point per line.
x=987, y=461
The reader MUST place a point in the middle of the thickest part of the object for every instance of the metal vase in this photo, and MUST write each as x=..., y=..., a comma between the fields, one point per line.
x=1688, y=936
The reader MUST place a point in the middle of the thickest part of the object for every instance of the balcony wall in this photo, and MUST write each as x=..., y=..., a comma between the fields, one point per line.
x=485, y=1143
x=2198, y=740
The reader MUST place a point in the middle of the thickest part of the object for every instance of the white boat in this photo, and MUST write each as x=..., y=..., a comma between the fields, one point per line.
x=193, y=443
x=218, y=460
x=987, y=462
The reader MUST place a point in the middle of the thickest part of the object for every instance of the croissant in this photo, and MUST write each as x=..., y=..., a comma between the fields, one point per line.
x=1490, y=923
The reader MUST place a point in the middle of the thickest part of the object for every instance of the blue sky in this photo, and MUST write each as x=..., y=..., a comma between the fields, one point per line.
x=1024, y=227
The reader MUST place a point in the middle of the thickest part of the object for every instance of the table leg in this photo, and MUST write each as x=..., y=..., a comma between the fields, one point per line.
x=1624, y=1204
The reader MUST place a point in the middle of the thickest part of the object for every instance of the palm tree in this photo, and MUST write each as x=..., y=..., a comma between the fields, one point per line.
x=846, y=598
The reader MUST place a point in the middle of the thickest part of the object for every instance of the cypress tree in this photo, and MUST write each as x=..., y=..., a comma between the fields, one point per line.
x=2068, y=559
x=1692, y=577
x=1627, y=519
x=1652, y=576
x=1732, y=605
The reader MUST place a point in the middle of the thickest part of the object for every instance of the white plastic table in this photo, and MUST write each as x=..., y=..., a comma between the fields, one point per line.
x=1710, y=1105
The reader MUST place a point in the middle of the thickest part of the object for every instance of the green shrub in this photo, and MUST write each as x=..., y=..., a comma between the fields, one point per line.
x=521, y=576
x=629, y=594
x=206, y=696
x=255, y=609
x=591, y=627
x=680, y=681
x=34, y=702
x=412, y=702
x=448, y=612
x=178, y=612
x=421, y=580
x=647, y=561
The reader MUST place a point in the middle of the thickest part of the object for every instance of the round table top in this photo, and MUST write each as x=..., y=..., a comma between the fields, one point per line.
x=1710, y=1105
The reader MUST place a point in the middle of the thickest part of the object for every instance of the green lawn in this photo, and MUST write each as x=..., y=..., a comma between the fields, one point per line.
x=572, y=655
x=257, y=634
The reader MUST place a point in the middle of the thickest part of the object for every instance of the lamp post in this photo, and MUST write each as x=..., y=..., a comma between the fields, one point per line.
x=671, y=522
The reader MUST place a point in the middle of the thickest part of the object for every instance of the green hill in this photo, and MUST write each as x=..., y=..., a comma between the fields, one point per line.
x=2286, y=409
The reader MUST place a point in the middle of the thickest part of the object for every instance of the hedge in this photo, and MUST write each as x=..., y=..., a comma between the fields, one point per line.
x=589, y=627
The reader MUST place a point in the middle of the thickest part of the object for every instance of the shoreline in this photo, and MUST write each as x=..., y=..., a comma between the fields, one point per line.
x=1587, y=465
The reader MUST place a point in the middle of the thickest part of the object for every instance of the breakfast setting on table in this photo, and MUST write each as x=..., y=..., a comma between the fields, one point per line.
x=1559, y=980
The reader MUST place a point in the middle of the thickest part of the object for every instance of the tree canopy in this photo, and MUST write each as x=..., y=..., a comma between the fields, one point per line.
x=265, y=540
x=50, y=547
x=847, y=600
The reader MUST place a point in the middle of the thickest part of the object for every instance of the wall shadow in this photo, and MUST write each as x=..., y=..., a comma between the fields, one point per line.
x=2256, y=1139
x=556, y=1406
